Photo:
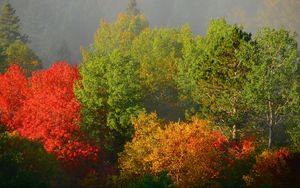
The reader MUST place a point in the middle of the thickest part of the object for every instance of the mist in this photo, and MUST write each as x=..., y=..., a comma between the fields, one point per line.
x=50, y=23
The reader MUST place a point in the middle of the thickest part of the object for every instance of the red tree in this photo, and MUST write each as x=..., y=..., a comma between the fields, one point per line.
x=13, y=91
x=51, y=114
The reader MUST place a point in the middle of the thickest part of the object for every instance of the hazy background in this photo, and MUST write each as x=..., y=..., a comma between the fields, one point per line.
x=50, y=23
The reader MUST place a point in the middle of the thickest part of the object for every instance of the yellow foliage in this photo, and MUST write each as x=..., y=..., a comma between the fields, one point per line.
x=189, y=152
x=132, y=160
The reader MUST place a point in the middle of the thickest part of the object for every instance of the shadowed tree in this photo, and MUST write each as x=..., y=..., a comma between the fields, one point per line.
x=132, y=9
x=63, y=52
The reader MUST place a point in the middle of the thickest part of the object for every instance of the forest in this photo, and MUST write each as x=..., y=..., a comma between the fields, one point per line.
x=152, y=107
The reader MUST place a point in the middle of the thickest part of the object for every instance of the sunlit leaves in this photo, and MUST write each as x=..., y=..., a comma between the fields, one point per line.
x=44, y=108
x=13, y=91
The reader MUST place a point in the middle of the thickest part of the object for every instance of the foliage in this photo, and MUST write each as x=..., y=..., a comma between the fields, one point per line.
x=158, y=52
x=149, y=181
x=190, y=153
x=19, y=53
x=13, y=91
x=240, y=157
x=44, y=108
x=217, y=68
x=175, y=149
x=10, y=26
x=272, y=89
x=227, y=77
x=51, y=114
x=26, y=164
x=132, y=159
x=269, y=170
x=13, y=47
x=109, y=89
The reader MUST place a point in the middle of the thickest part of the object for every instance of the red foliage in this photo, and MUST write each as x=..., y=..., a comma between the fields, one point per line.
x=271, y=168
x=46, y=111
x=242, y=149
x=13, y=91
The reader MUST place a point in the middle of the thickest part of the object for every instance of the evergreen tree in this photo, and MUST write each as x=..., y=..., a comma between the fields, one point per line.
x=10, y=26
x=63, y=52
x=132, y=9
x=10, y=34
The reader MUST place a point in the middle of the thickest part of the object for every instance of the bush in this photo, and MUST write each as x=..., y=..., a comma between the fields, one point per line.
x=26, y=164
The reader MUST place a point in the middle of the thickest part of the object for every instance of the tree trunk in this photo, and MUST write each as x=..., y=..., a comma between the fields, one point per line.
x=271, y=122
x=234, y=132
x=270, y=137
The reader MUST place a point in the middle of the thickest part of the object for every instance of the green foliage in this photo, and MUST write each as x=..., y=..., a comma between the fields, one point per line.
x=158, y=52
x=19, y=53
x=272, y=89
x=110, y=94
x=110, y=88
x=10, y=26
x=26, y=164
x=13, y=43
x=213, y=71
x=149, y=181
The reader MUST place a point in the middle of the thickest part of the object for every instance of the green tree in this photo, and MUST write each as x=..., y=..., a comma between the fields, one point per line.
x=10, y=26
x=13, y=43
x=110, y=94
x=19, y=53
x=187, y=67
x=217, y=70
x=272, y=89
x=25, y=163
x=110, y=91
x=158, y=52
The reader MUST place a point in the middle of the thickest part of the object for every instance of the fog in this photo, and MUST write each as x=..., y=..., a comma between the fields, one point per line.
x=50, y=23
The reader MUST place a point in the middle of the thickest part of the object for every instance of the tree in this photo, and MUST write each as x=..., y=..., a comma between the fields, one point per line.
x=10, y=26
x=63, y=52
x=132, y=9
x=272, y=89
x=131, y=160
x=271, y=169
x=13, y=91
x=158, y=52
x=109, y=92
x=50, y=114
x=192, y=153
x=26, y=163
x=19, y=53
x=189, y=152
x=13, y=43
x=109, y=89
x=218, y=72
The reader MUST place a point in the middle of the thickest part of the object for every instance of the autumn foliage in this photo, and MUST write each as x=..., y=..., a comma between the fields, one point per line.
x=192, y=153
x=44, y=108
x=14, y=88
x=270, y=169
